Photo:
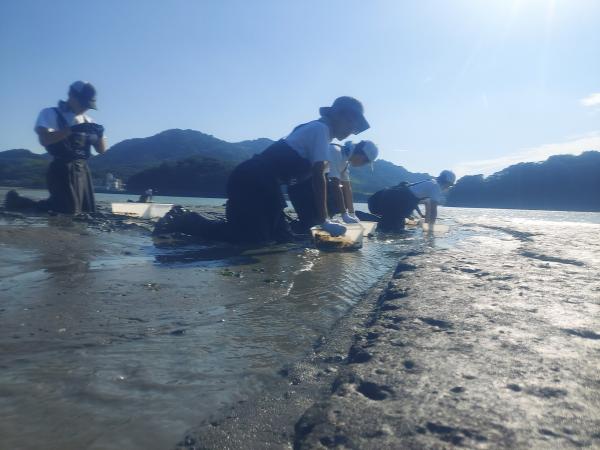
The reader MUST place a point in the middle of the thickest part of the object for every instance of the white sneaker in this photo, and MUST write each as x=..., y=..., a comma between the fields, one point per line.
x=349, y=218
x=334, y=229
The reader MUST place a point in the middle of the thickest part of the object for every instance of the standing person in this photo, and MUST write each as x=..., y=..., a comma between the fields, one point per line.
x=393, y=205
x=255, y=202
x=68, y=134
x=146, y=197
x=340, y=160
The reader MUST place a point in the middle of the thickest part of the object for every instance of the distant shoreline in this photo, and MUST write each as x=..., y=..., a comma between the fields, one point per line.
x=360, y=199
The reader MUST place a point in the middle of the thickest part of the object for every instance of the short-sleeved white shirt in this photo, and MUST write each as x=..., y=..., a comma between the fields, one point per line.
x=427, y=191
x=311, y=141
x=338, y=163
x=48, y=119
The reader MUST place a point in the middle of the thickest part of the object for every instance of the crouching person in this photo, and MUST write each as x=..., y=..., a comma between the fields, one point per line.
x=255, y=201
x=393, y=205
x=309, y=193
x=339, y=186
x=68, y=135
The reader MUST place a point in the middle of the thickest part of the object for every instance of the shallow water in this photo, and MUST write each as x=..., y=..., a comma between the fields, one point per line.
x=112, y=340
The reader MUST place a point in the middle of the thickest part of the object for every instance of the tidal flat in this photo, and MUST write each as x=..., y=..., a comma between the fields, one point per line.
x=484, y=336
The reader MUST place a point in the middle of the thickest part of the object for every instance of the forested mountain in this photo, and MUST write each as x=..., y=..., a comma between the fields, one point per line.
x=563, y=182
x=21, y=167
x=134, y=155
x=187, y=162
x=206, y=176
x=367, y=180
x=196, y=176
x=180, y=162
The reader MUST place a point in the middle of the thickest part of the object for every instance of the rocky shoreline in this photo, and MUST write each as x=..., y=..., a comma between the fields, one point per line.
x=460, y=348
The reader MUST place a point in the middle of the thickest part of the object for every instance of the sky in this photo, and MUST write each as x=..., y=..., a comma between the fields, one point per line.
x=469, y=85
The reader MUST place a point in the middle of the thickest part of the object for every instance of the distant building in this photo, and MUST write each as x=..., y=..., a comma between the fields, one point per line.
x=113, y=183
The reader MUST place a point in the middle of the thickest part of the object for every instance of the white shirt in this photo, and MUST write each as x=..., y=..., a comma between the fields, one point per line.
x=427, y=191
x=48, y=119
x=338, y=163
x=311, y=141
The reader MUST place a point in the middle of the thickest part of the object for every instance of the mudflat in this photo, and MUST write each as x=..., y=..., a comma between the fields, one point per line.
x=112, y=339
x=493, y=342
x=484, y=337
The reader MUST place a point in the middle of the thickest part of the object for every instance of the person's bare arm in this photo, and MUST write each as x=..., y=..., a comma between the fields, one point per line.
x=431, y=212
x=47, y=137
x=418, y=210
x=101, y=146
x=347, y=192
x=319, y=185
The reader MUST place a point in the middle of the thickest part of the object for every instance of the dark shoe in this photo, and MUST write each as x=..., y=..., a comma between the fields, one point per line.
x=299, y=228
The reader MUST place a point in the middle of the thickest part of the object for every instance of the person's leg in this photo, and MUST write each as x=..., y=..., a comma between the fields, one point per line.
x=59, y=185
x=85, y=188
x=282, y=231
x=393, y=205
x=367, y=217
x=391, y=223
x=254, y=204
x=335, y=198
x=302, y=198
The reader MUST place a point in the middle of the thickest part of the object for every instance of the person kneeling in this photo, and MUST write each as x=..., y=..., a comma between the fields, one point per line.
x=393, y=205
x=68, y=135
x=339, y=187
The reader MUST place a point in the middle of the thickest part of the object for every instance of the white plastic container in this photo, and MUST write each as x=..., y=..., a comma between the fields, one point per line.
x=142, y=210
x=350, y=240
x=368, y=227
x=436, y=228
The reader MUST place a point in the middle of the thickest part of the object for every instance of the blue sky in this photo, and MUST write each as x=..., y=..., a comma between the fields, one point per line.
x=472, y=85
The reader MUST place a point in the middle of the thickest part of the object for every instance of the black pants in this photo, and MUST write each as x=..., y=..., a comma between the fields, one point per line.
x=392, y=206
x=255, y=204
x=302, y=197
x=70, y=187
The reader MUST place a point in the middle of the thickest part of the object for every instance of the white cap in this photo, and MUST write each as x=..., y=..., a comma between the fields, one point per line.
x=368, y=148
x=447, y=176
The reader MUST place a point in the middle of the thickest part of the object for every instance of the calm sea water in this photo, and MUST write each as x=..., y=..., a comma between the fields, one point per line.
x=113, y=340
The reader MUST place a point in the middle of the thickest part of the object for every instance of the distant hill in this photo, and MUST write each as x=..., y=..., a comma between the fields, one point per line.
x=366, y=181
x=134, y=155
x=188, y=162
x=181, y=162
x=196, y=176
x=20, y=167
x=563, y=182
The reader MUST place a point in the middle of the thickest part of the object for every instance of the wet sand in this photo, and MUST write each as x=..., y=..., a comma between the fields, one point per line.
x=493, y=342
x=485, y=337
x=113, y=340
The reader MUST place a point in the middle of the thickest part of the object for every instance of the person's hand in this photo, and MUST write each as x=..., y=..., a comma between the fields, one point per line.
x=89, y=128
x=349, y=218
x=334, y=229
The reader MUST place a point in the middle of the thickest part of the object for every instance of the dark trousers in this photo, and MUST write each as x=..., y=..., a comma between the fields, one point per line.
x=70, y=187
x=392, y=206
x=255, y=204
x=302, y=197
